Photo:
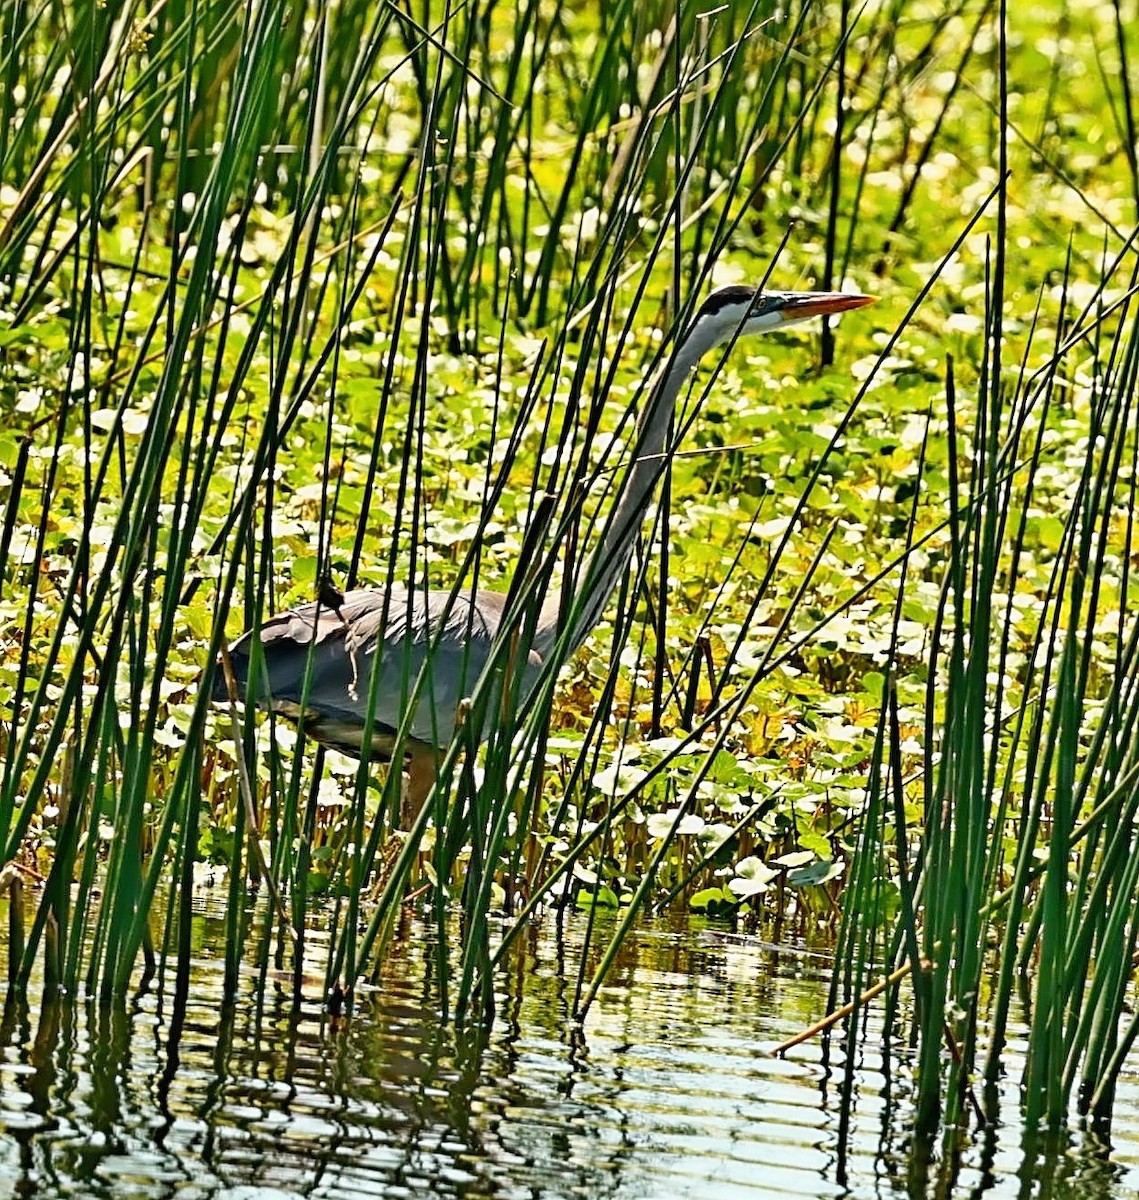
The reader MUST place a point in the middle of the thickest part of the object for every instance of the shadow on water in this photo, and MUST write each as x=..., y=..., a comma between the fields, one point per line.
x=667, y=1091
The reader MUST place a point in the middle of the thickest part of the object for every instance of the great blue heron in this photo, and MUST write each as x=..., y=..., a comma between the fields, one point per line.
x=317, y=660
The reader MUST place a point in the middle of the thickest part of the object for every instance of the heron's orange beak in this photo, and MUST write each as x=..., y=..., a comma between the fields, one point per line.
x=821, y=304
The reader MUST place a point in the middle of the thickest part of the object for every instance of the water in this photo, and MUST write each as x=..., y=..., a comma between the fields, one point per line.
x=667, y=1092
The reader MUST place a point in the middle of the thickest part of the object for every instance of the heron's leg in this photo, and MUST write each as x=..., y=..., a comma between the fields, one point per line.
x=421, y=763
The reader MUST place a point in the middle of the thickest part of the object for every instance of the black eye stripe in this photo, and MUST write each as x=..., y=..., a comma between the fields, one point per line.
x=724, y=297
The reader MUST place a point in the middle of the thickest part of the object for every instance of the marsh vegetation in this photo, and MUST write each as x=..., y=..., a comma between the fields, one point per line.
x=358, y=292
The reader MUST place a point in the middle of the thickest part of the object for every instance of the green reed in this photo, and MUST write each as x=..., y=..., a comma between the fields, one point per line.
x=277, y=269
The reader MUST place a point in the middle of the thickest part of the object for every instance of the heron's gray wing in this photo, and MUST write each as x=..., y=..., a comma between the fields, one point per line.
x=388, y=631
x=452, y=637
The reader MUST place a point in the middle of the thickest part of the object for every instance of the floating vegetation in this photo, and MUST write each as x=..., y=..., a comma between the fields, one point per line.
x=296, y=300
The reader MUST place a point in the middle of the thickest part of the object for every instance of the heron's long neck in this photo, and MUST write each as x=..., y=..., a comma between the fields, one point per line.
x=607, y=563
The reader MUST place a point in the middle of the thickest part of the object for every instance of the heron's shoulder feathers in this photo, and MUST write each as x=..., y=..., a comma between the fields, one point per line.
x=369, y=616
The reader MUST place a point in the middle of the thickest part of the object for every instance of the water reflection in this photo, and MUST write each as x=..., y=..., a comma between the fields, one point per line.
x=666, y=1092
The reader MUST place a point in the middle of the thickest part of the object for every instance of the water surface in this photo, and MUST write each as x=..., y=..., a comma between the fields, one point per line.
x=668, y=1091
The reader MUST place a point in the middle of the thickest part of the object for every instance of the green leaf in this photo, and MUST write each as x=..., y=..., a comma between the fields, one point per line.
x=711, y=898
x=817, y=843
x=15, y=334
x=602, y=897
x=820, y=871
x=752, y=877
x=304, y=569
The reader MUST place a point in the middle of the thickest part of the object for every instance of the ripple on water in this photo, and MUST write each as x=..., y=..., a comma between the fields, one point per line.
x=669, y=1091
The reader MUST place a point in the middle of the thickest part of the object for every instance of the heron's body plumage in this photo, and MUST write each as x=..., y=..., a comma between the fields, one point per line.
x=318, y=663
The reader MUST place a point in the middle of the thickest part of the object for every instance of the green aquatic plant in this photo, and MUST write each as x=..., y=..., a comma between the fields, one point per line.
x=335, y=293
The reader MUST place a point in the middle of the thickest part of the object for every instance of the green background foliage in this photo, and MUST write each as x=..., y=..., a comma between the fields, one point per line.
x=289, y=292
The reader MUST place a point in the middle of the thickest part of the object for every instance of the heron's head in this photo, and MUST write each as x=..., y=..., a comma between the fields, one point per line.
x=738, y=310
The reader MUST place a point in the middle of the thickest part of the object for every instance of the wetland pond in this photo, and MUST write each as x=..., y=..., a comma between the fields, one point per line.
x=670, y=1089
